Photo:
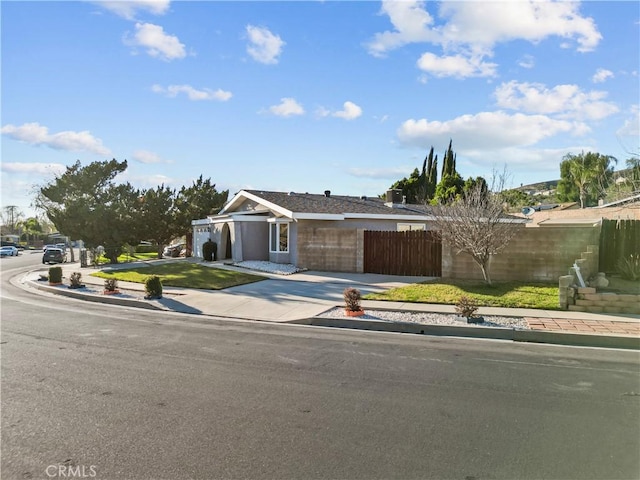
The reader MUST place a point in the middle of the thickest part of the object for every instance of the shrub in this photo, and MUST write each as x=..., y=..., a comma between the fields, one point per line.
x=352, y=297
x=629, y=267
x=209, y=251
x=55, y=274
x=110, y=284
x=153, y=287
x=466, y=306
x=75, y=280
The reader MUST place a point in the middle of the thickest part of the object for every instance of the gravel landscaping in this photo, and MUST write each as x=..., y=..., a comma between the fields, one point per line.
x=270, y=267
x=430, y=318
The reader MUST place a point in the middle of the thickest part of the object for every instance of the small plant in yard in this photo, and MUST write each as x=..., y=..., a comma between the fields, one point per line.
x=352, y=298
x=75, y=280
x=153, y=287
x=110, y=285
x=629, y=267
x=55, y=275
x=466, y=307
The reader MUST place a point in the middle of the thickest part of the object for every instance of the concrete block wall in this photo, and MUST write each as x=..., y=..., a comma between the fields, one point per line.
x=534, y=254
x=589, y=300
x=328, y=249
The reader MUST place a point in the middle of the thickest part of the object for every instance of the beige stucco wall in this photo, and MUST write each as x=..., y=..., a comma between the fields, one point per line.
x=534, y=254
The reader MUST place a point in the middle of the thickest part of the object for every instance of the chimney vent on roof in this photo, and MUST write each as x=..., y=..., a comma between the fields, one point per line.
x=363, y=197
x=327, y=193
x=394, y=196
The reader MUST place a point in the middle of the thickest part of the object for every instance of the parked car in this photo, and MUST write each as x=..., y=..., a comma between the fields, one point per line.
x=53, y=255
x=173, y=250
x=8, y=251
x=47, y=247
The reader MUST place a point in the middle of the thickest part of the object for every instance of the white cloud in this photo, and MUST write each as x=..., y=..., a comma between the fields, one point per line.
x=412, y=24
x=485, y=24
x=527, y=61
x=566, y=101
x=456, y=66
x=486, y=130
x=33, y=168
x=129, y=8
x=322, y=112
x=287, y=107
x=264, y=46
x=631, y=126
x=601, y=75
x=156, y=42
x=147, y=157
x=192, y=93
x=470, y=30
x=350, y=111
x=36, y=134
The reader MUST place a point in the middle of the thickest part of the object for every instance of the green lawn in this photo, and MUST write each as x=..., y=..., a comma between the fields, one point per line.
x=126, y=258
x=184, y=274
x=507, y=294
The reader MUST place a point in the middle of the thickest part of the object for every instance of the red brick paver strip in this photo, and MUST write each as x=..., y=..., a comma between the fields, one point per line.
x=584, y=326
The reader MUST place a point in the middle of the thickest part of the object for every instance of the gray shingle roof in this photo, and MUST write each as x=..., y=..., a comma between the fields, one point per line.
x=335, y=204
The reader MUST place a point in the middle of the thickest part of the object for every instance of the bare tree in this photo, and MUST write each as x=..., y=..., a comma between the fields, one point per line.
x=476, y=224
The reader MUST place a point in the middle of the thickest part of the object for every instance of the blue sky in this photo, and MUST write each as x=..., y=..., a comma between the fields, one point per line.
x=309, y=96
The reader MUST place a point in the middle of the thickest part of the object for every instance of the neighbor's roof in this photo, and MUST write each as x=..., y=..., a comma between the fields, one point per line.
x=308, y=205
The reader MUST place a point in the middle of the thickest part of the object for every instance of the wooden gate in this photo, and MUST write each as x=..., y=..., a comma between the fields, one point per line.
x=417, y=252
x=618, y=240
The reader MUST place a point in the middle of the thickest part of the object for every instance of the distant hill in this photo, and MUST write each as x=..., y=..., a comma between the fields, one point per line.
x=539, y=187
x=553, y=184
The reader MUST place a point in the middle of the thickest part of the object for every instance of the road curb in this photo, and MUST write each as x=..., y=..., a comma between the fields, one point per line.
x=496, y=333
x=464, y=331
x=110, y=299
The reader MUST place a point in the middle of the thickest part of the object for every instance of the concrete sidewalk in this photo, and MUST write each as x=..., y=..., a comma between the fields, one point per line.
x=302, y=297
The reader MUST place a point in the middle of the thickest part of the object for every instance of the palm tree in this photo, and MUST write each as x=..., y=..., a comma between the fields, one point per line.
x=589, y=173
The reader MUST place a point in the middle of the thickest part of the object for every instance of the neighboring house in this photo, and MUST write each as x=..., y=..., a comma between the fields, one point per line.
x=568, y=215
x=316, y=231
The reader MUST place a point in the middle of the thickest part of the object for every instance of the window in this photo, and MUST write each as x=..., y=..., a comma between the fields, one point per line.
x=279, y=237
x=405, y=227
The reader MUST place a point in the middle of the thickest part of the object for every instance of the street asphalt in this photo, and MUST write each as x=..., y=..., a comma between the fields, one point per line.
x=303, y=297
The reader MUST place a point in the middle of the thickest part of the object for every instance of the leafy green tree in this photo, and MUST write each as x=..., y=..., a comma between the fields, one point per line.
x=197, y=201
x=157, y=216
x=471, y=184
x=584, y=177
x=515, y=198
x=429, y=176
x=31, y=229
x=449, y=162
x=449, y=189
x=85, y=203
x=633, y=164
x=451, y=184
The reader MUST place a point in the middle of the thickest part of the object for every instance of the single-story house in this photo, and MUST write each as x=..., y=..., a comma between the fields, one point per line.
x=344, y=233
x=315, y=231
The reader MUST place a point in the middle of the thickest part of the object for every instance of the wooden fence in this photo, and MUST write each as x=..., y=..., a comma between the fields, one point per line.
x=416, y=252
x=618, y=239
